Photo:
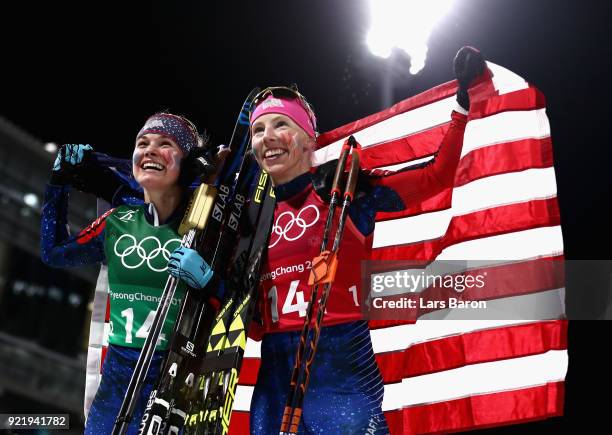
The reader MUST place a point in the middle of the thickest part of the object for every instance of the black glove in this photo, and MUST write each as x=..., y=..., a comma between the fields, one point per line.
x=323, y=178
x=199, y=163
x=469, y=64
x=69, y=161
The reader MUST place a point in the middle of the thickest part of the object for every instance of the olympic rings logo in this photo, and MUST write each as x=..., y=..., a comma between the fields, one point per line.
x=293, y=227
x=140, y=252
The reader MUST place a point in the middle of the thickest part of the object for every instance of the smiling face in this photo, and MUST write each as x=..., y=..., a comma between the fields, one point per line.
x=281, y=147
x=156, y=162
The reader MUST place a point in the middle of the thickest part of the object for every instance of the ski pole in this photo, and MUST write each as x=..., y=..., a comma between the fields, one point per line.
x=335, y=193
x=297, y=388
x=328, y=279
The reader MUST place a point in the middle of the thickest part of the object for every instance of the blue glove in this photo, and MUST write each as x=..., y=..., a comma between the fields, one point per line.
x=68, y=157
x=186, y=264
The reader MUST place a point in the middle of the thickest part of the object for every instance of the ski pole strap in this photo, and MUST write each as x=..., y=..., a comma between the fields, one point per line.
x=324, y=268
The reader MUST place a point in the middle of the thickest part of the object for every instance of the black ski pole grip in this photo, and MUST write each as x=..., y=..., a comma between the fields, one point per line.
x=353, y=175
x=340, y=166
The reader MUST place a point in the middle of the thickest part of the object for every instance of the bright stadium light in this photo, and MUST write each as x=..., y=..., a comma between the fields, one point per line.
x=51, y=147
x=404, y=24
x=30, y=199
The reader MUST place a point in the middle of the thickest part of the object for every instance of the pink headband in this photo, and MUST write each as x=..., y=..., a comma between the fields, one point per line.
x=285, y=106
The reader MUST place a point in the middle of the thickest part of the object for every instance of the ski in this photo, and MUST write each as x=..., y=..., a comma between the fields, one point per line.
x=212, y=402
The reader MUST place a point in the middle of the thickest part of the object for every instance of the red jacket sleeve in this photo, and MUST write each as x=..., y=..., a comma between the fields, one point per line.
x=417, y=183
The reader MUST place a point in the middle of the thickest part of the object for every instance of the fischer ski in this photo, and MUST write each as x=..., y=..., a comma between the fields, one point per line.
x=212, y=402
x=250, y=228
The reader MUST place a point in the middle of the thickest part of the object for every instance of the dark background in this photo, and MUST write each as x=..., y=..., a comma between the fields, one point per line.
x=92, y=74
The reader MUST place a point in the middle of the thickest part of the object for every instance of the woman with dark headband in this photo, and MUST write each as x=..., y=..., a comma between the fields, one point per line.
x=345, y=392
x=140, y=244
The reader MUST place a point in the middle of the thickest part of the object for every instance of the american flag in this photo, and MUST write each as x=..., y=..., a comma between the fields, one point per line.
x=446, y=375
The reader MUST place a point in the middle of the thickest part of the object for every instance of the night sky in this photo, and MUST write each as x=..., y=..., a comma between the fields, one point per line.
x=92, y=74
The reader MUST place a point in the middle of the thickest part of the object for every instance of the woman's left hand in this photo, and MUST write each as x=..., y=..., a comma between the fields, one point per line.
x=186, y=264
x=469, y=64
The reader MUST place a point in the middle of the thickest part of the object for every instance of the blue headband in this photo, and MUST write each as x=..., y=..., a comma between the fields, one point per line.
x=172, y=126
